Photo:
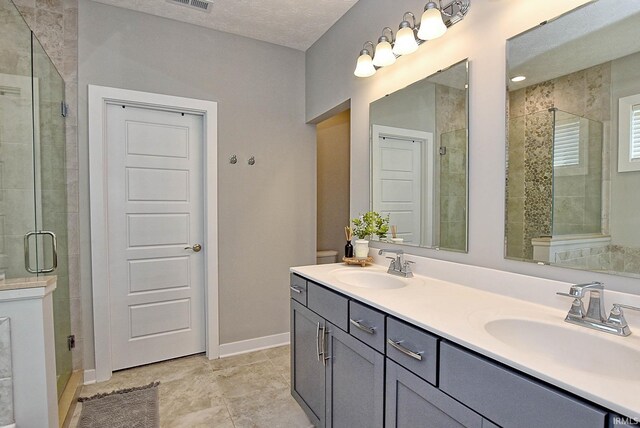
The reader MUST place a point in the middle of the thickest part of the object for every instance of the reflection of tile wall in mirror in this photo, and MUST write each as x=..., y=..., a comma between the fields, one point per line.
x=453, y=197
x=586, y=208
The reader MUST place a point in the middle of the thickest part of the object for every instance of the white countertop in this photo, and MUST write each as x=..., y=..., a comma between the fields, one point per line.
x=460, y=312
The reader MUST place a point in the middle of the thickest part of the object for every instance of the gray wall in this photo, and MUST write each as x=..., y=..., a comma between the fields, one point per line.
x=410, y=108
x=266, y=212
x=481, y=37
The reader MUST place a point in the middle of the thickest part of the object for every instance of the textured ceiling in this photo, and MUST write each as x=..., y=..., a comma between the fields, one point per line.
x=293, y=23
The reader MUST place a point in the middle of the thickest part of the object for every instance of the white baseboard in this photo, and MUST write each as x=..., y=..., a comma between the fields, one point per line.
x=250, y=345
x=226, y=350
x=89, y=377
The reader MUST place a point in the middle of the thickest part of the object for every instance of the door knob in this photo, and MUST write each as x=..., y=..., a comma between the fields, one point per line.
x=196, y=248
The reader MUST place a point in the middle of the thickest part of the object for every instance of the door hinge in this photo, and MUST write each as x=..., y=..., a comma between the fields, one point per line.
x=64, y=109
x=71, y=341
x=443, y=150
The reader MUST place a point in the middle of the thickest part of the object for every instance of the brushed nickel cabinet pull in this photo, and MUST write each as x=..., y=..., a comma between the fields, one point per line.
x=404, y=350
x=363, y=327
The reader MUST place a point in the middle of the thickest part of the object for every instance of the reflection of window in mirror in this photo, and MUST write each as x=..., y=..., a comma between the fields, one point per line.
x=570, y=144
x=629, y=139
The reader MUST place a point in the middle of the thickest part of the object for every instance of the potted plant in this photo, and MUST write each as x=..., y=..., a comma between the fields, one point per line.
x=364, y=227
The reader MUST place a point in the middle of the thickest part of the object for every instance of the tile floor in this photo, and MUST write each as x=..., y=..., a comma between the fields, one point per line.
x=250, y=390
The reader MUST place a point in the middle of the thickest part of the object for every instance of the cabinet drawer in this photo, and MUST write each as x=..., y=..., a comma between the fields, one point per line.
x=330, y=305
x=367, y=324
x=298, y=289
x=509, y=398
x=411, y=402
x=413, y=349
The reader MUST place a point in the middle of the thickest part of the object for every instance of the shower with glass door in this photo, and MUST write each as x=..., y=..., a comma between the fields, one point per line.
x=33, y=203
x=554, y=185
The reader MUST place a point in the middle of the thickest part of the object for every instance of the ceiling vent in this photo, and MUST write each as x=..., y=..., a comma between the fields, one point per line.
x=201, y=5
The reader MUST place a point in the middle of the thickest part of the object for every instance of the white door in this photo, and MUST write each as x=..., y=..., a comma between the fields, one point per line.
x=155, y=217
x=397, y=184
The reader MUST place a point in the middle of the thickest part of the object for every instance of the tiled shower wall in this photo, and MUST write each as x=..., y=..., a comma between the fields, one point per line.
x=55, y=23
x=451, y=133
x=530, y=166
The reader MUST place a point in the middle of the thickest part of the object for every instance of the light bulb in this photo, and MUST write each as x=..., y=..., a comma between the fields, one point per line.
x=431, y=24
x=384, y=55
x=364, y=67
x=405, y=40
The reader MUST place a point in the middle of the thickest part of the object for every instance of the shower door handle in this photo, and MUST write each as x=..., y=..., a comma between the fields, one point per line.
x=54, y=249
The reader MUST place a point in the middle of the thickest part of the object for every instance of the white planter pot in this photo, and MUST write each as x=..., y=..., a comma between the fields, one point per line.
x=361, y=248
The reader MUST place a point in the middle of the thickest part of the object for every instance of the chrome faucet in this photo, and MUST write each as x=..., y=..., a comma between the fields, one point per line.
x=398, y=265
x=594, y=317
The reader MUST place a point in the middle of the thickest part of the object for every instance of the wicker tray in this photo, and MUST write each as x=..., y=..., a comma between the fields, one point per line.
x=356, y=261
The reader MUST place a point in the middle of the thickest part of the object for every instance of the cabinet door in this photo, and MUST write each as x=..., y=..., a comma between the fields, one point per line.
x=412, y=402
x=307, y=368
x=355, y=388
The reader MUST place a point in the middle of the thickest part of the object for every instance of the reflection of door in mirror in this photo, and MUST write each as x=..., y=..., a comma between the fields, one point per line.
x=402, y=174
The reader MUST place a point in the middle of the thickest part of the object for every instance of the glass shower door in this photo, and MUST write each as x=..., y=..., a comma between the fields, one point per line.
x=51, y=199
x=32, y=171
x=17, y=171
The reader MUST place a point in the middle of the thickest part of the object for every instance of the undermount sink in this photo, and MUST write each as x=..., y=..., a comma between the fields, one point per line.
x=588, y=351
x=370, y=279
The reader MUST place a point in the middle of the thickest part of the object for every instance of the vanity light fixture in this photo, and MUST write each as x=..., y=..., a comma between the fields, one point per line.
x=434, y=23
x=364, y=67
x=405, y=43
x=518, y=78
x=384, y=53
x=431, y=24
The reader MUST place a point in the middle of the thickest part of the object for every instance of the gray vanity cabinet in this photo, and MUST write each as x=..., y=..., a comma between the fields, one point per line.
x=354, y=366
x=355, y=388
x=413, y=402
x=336, y=379
x=308, y=382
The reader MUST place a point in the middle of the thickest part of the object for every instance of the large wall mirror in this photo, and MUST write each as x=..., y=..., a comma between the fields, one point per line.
x=573, y=140
x=419, y=160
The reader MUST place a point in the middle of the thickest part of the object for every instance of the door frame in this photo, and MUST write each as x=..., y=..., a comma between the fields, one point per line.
x=99, y=97
x=427, y=171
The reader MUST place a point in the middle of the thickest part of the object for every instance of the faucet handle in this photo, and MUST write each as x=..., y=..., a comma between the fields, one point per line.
x=616, y=317
x=618, y=306
x=406, y=267
x=577, y=307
